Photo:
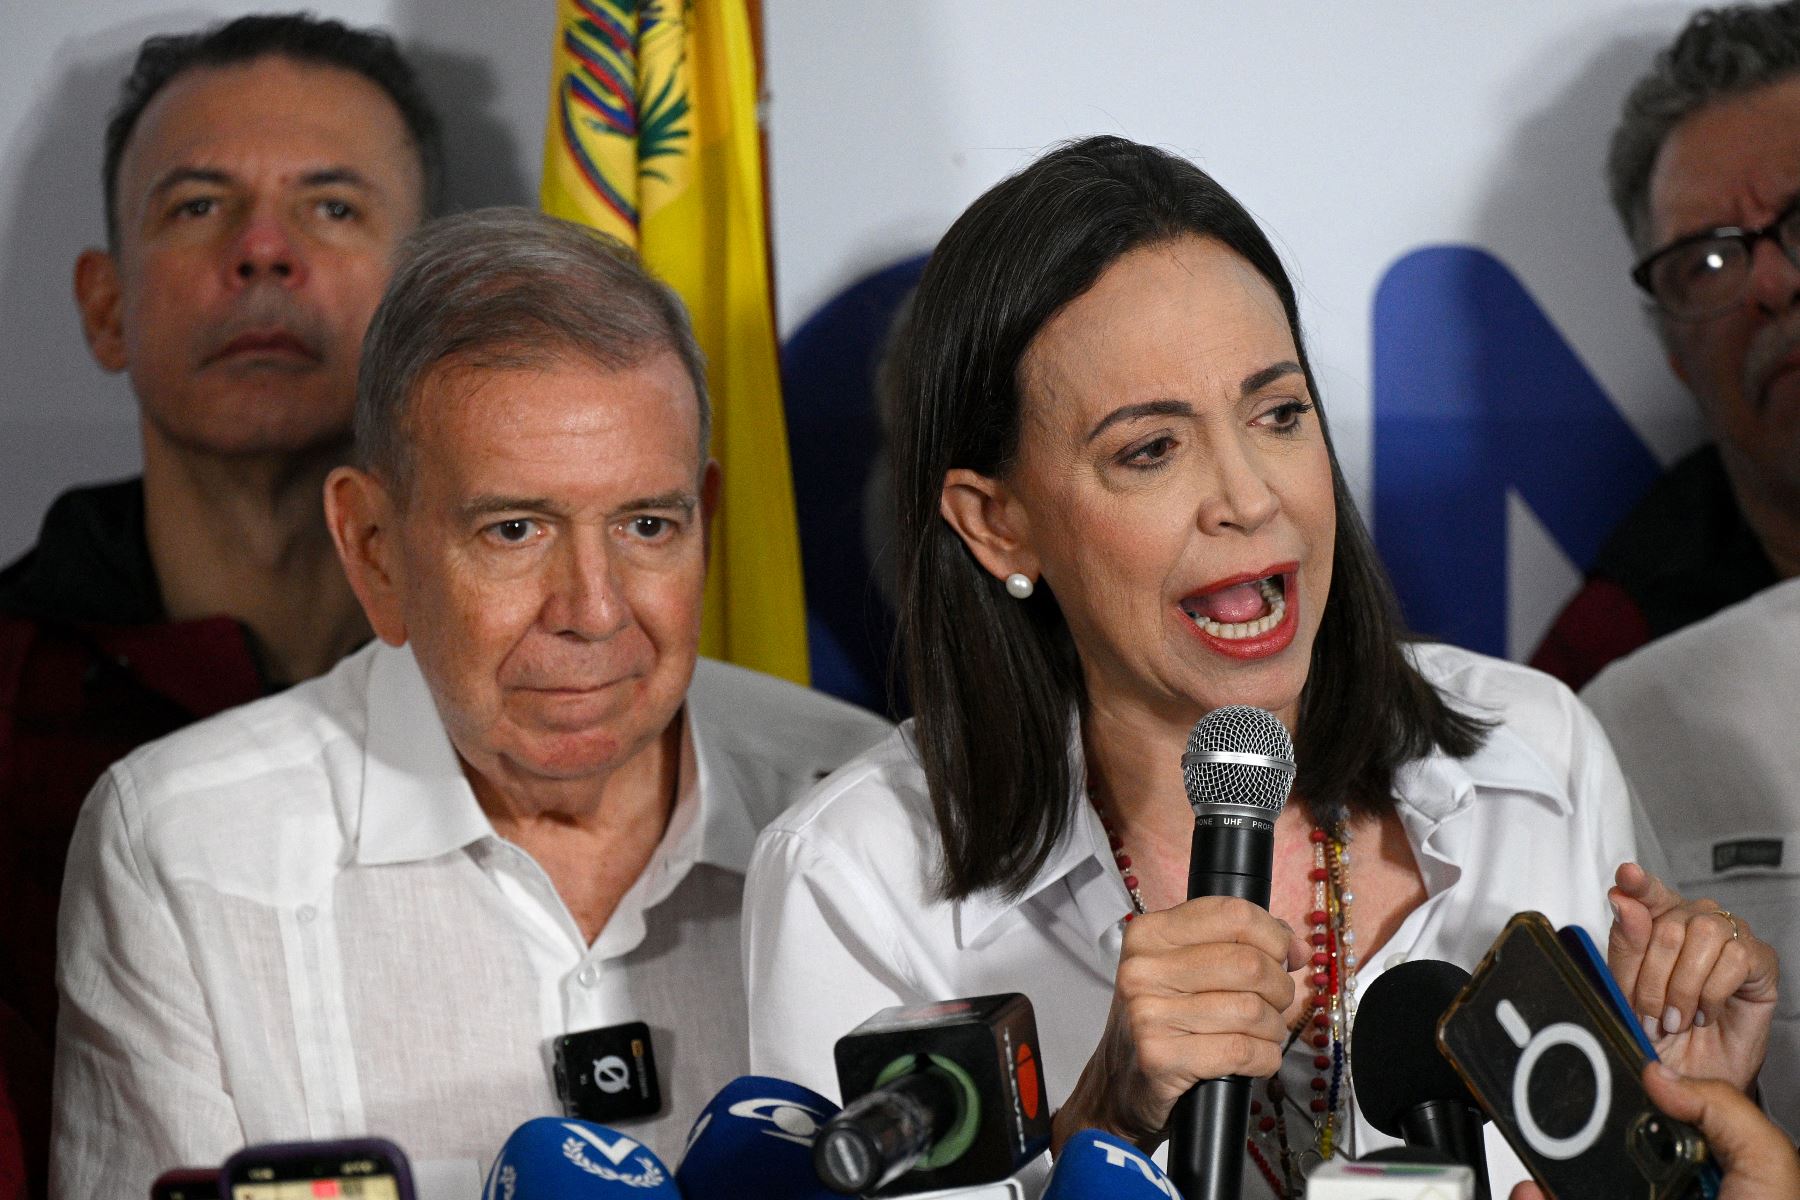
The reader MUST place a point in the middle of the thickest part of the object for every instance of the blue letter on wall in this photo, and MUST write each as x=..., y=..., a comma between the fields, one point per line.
x=1475, y=395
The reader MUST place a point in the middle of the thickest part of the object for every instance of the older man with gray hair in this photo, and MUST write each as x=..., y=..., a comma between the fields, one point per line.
x=402, y=898
x=1704, y=170
x=1706, y=173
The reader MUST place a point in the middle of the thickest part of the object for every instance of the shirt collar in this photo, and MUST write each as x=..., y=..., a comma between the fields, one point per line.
x=416, y=802
x=724, y=834
x=1438, y=787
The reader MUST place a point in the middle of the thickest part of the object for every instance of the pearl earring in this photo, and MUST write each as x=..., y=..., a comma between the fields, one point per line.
x=1019, y=587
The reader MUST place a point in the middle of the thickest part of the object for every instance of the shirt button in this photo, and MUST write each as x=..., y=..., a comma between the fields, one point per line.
x=1392, y=961
x=588, y=976
x=306, y=914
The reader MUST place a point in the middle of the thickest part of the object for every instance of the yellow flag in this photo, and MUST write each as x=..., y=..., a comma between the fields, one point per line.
x=652, y=137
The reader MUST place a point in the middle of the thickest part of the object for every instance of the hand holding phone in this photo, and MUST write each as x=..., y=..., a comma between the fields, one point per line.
x=1756, y=1158
x=1560, y=1074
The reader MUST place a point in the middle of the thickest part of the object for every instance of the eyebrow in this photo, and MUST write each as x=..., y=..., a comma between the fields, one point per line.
x=685, y=501
x=323, y=177
x=1253, y=382
x=486, y=505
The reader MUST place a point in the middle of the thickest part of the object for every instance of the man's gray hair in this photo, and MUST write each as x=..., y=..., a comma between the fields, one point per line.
x=505, y=288
x=1720, y=54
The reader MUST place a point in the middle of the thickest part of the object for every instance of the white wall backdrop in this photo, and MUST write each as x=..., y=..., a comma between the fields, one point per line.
x=1354, y=132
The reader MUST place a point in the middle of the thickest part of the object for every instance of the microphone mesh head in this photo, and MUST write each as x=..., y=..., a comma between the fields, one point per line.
x=1239, y=729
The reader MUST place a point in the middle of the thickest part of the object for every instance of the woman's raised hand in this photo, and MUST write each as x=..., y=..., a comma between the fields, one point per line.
x=1703, y=984
x=1202, y=991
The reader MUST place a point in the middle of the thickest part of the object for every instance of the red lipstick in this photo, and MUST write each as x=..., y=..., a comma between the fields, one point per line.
x=1262, y=645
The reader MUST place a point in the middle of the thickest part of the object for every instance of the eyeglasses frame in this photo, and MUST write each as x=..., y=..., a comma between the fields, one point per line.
x=1748, y=238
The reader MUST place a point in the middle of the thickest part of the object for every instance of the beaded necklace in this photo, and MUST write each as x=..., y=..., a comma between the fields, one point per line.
x=1324, y=1025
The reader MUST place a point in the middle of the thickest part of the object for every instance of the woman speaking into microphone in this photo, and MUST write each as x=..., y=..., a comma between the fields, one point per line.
x=1119, y=509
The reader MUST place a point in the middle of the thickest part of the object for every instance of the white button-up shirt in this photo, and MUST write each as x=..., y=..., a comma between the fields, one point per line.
x=1707, y=725
x=293, y=921
x=841, y=917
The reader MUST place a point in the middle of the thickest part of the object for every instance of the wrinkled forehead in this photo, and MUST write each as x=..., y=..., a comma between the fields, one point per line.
x=511, y=403
x=1735, y=161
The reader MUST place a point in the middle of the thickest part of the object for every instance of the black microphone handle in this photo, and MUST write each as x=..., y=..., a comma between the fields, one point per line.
x=1453, y=1128
x=1208, y=1126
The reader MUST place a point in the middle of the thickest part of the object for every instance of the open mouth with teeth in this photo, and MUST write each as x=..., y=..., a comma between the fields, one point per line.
x=1243, y=610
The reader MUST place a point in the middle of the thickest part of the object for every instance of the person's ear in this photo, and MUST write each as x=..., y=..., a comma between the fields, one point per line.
x=361, y=514
x=101, y=301
x=987, y=516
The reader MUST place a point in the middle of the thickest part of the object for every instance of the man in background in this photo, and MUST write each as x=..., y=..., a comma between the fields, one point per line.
x=258, y=176
x=1705, y=174
x=393, y=899
x=1704, y=720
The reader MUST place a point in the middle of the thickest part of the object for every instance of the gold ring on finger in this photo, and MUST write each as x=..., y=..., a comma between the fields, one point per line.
x=1736, y=932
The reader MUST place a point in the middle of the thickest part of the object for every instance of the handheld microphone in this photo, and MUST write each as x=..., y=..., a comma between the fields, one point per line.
x=754, y=1141
x=1404, y=1085
x=1094, y=1165
x=561, y=1158
x=1238, y=769
x=940, y=1096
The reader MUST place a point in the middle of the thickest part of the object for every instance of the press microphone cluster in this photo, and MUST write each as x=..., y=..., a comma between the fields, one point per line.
x=947, y=1100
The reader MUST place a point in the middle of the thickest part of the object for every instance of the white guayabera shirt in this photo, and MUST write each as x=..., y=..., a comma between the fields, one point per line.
x=1707, y=725
x=841, y=918
x=293, y=921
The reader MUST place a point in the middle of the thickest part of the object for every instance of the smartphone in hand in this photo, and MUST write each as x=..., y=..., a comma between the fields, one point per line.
x=1541, y=1039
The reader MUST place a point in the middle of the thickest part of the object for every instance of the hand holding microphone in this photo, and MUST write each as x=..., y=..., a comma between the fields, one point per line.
x=1201, y=990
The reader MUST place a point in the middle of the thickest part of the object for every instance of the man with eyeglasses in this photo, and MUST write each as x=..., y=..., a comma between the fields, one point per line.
x=1705, y=171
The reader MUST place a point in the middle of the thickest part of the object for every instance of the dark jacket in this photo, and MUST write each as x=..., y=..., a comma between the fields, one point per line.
x=90, y=669
x=1683, y=554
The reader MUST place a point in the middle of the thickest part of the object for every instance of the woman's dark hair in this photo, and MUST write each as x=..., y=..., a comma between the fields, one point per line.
x=995, y=682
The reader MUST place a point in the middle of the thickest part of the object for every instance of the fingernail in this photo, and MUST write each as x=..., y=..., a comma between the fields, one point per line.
x=1651, y=1028
x=1671, y=1019
x=1662, y=1068
x=1614, y=905
x=1700, y=1018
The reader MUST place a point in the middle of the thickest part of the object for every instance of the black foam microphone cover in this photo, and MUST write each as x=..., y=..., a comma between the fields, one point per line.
x=1404, y=1084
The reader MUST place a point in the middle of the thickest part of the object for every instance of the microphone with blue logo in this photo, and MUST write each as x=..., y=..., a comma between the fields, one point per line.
x=561, y=1158
x=754, y=1141
x=1094, y=1165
